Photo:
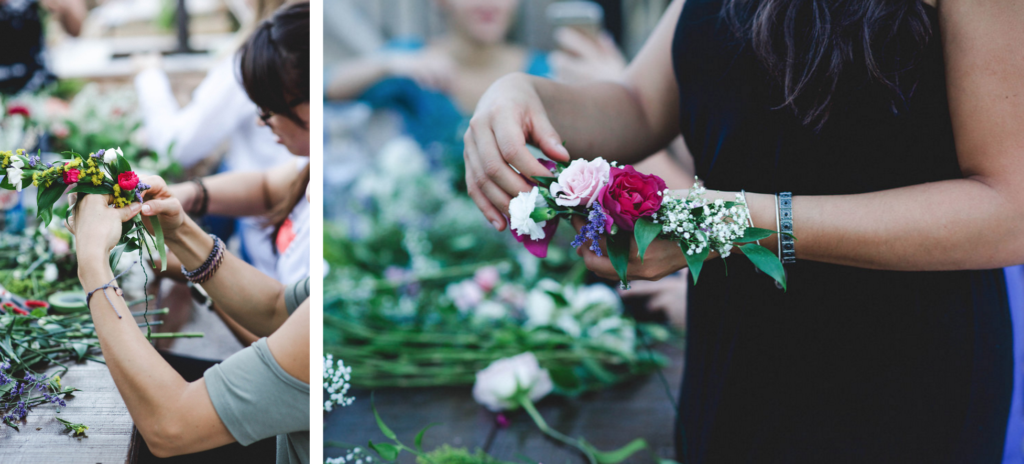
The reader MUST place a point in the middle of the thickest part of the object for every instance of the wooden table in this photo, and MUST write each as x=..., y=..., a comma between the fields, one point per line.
x=110, y=438
x=608, y=419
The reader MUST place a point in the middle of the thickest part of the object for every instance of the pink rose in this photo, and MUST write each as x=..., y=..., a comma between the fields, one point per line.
x=487, y=277
x=631, y=195
x=71, y=176
x=580, y=182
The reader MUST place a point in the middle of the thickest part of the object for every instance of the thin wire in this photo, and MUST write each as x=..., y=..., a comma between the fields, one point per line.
x=103, y=289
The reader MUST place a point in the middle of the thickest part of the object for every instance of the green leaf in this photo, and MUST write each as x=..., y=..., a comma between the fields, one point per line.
x=158, y=233
x=45, y=199
x=122, y=165
x=419, y=437
x=695, y=261
x=619, y=455
x=766, y=261
x=38, y=312
x=80, y=349
x=115, y=255
x=645, y=231
x=387, y=451
x=544, y=181
x=380, y=422
x=89, y=188
x=543, y=214
x=618, y=253
x=753, y=234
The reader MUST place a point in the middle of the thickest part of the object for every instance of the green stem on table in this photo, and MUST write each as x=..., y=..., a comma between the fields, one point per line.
x=155, y=312
x=527, y=405
x=177, y=335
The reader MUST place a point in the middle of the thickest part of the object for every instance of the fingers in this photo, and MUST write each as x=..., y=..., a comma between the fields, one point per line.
x=475, y=179
x=543, y=134
x=128, y=212
x=499, y=182
x=576, y=43
x=167, y=207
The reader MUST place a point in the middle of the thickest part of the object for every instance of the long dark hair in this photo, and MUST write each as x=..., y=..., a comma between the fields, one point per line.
x=809, y=46
x=275, y=74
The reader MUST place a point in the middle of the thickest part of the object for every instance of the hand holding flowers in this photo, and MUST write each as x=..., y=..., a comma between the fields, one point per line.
x=106, y=173
x=629, y=218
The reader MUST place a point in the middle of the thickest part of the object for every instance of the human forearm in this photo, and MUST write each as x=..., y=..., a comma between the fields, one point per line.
x=928, y=227
x=162, y=404
x=238, y=194
x=249, y=296
x=603, y=119
x=350, y=80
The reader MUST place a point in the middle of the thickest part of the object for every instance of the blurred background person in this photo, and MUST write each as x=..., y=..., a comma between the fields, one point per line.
x=219, y=111
x=23, y=66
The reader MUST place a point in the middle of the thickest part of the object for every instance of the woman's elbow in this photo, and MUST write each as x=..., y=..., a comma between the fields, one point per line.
x=166, y=439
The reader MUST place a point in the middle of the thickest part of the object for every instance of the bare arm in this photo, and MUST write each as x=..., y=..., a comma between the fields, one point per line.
x=237, y=194
x=71, y=13
x=174, y=416
x=968, y=223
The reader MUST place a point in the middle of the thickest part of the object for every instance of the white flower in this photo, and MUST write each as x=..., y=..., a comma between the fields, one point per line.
x=569, y=325
x=489, y=310
x=497, y=385
x=110, y=155
x=519, y=210
x=540, y=308
x=14, y=175
x=50, y=272
x=17, y=162
x=336, y=378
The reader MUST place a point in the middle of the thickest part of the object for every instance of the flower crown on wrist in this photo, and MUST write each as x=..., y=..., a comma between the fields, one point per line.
x=105, y=172
x=620, y=204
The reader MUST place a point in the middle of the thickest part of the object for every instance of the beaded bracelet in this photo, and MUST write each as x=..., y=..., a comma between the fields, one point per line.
x=786, y=228
x=204, y=272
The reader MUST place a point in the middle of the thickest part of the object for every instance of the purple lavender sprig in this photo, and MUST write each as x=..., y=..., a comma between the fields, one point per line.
x=592, y=230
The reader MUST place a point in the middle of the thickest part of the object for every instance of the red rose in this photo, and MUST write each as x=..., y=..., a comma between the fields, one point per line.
x=37, y=304
x=18, y=109
x=631, y=195
x=71, y=176
x=127, y=180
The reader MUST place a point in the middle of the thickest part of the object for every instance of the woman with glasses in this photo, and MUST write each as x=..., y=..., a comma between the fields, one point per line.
x=262, y=391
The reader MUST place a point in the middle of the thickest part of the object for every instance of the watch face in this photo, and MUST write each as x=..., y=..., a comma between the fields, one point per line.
x=8, y=199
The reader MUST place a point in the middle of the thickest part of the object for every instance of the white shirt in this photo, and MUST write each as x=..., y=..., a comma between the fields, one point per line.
x=219, y=110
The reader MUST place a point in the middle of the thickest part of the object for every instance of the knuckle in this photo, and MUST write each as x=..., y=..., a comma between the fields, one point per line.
x=492, y=169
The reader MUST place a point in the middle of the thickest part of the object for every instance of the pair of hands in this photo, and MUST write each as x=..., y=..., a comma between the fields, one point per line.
x=511, y=114
x=97, y=226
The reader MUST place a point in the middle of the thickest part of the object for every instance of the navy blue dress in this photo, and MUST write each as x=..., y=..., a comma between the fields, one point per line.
x=850, y=365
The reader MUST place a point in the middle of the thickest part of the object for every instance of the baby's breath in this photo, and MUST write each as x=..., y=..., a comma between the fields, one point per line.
x=336, y=378
x=698, y=224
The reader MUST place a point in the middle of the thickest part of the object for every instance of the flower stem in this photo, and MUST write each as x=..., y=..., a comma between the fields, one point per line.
x=527, y=405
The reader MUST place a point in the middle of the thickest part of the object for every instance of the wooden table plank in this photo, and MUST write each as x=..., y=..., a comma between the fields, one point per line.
x=99, y=406
x=608, y=419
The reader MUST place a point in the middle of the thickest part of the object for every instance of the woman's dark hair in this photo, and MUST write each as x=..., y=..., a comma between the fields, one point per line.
x=275, y=74
x=275, y=62
x=810, y=45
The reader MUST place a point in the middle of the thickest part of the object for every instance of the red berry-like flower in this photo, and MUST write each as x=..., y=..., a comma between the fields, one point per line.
x=71, y=176
x=18, y=109
x=10, y=307
x=33, y=304
x=127, y=180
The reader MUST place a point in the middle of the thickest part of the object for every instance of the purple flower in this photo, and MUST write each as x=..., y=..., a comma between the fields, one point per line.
x=30, y=378
x=33, y=159
x=138, y=196
x=6, y=365
x=4, y=379
x=593, y=230
x=19, y=388
x=143, y=186
x=99, y=154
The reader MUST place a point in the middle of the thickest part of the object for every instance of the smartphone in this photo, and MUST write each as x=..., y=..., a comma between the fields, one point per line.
x=587, y=17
